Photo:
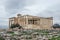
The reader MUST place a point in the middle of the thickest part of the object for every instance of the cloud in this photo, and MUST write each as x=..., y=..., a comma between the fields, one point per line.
x=44, y=8
x=53, y=11
x=13, y=6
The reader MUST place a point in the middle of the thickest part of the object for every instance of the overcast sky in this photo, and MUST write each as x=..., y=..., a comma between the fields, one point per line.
x=43, y=8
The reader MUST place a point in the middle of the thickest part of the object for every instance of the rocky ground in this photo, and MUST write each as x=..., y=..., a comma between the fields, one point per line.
x=31, y=35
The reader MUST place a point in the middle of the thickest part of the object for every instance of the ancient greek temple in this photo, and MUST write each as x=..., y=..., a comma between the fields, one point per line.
x=32, y=22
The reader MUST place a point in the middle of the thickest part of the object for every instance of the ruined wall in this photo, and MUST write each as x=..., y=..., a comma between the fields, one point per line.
x=42, y=23
x=46, y=23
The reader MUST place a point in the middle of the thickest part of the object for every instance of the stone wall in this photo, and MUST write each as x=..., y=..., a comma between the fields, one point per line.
x=36, y=22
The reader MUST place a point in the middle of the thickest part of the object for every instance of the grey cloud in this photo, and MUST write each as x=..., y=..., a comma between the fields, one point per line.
x=12, y=6
x=53, y=11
